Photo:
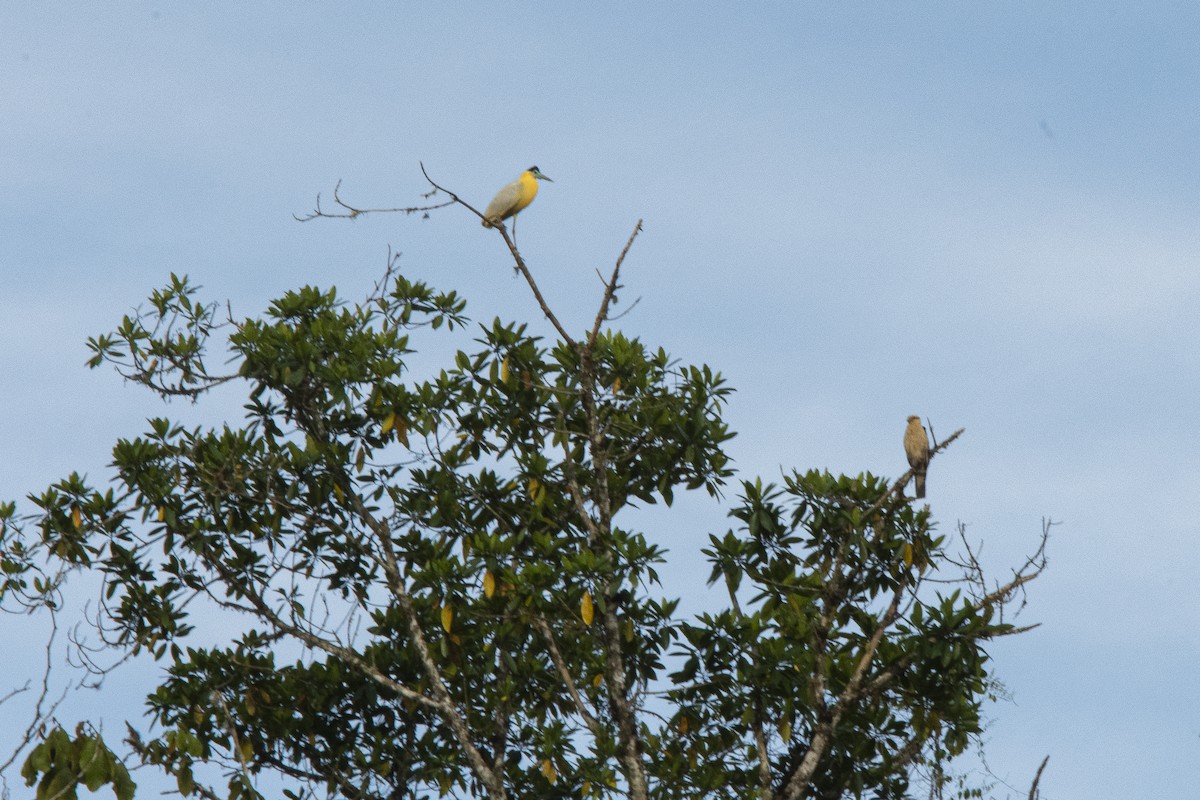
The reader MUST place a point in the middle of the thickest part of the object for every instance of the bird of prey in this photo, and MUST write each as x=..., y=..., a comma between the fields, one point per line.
x=916, y=447
x=514, y=197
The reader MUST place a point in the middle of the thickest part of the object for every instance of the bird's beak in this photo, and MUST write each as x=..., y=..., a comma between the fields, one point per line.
x=544, y=177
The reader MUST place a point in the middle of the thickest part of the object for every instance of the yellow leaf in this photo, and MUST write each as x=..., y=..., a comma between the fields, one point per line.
x=586, y=609
x=247, y=749
x=389, y=421
x=162, y=513
x=534, y=485
x=341, y=496
x=489, y=584
x=908, y=554
x=76, y=518
x=629, y=630
x=549, y=771
x=586, y=788
x=447, y=617
x=683, y=724
x=598, y=680
x=785, y=731
x=251, y=706
x=504, y=373
x=616, y=386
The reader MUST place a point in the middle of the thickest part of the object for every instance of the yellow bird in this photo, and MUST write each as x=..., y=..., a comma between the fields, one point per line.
x=916, y=447
x=513, y=198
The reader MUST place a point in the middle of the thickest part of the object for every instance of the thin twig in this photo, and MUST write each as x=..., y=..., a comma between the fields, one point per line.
x=453, y=197
x=40, y=714
x=354, y=213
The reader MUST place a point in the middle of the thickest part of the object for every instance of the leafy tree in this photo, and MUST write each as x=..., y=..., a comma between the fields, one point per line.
x=438, y=591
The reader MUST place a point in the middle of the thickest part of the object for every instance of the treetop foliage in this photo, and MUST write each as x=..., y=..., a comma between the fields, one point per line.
x=439, y=590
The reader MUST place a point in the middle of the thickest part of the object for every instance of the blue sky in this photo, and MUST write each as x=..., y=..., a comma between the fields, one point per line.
x=985, y=214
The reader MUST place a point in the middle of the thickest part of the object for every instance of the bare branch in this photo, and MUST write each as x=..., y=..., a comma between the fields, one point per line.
x=354, y=213
x=14, y=692
x=1033, y=790
x=610, y=287
x=454, y=198
x=1002, y=594
x=521, y=267
x=41, y=712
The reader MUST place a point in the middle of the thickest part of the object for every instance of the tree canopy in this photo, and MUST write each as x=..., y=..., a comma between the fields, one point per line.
x=438, y=590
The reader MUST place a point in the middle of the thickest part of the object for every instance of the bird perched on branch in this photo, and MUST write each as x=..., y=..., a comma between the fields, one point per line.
x=514, y=197
x=916, y=447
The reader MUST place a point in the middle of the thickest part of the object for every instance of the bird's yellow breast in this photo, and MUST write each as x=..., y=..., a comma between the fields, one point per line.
x=529, y=190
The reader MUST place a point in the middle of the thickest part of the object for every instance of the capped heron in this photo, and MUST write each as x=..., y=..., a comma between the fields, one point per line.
x=513, y=198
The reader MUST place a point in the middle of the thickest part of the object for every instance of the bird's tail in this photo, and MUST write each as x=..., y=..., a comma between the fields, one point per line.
x=920, y=484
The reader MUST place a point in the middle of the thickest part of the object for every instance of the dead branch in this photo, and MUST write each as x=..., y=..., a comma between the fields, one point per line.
x=611, y=286
x=352, y=212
